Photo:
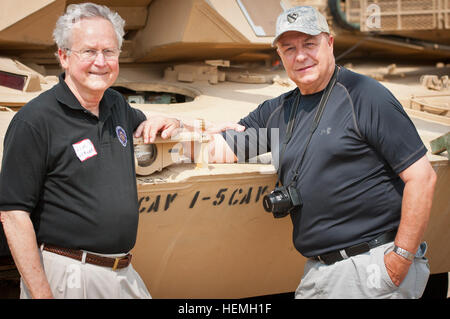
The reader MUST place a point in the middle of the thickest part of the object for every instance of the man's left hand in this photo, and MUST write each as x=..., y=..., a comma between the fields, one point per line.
x=397, y=267
x=150, y=128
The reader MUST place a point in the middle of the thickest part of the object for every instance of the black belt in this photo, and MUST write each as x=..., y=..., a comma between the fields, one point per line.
x=338, y=255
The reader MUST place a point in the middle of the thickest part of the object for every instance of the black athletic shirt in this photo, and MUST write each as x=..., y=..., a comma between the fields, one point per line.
x=72, y=171
x=349, y=179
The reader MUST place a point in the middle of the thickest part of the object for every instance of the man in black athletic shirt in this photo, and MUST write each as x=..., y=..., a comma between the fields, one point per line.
x=364, y=180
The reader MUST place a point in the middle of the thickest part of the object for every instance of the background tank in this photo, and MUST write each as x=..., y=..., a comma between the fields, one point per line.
x=417, y=30
x=202, y=230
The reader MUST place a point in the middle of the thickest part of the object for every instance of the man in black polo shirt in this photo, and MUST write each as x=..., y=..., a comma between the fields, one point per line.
x=68, y=193
x=363, y=181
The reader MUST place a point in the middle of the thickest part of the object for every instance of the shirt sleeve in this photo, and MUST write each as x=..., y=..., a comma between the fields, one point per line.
x=23, y=167
x=386, y=127
x=136, y=117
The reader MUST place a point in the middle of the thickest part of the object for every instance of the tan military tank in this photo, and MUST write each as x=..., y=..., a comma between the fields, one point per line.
x=202, y=231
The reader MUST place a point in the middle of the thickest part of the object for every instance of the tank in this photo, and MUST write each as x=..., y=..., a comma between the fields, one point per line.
x=203, y=232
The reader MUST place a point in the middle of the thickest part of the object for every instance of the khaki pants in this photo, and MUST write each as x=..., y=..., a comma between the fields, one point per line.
x=363, y=276
x=72, y=279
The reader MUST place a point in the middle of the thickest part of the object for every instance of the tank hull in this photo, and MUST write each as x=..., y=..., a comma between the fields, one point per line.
x=209, y=237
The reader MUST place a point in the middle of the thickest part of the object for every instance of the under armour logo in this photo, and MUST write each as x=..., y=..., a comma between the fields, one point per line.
x=326, y=131
x=291, y=17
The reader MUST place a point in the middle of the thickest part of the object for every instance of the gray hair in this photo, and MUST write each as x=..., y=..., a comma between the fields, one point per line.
x=76, y=12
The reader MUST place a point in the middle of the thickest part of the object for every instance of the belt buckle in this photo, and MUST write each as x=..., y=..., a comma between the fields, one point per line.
x=116, y=262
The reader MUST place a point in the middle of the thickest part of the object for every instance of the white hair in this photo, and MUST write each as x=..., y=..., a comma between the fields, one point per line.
x=76, y=12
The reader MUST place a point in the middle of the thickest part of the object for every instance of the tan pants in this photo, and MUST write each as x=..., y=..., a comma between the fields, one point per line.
x=363, y=276
x=72, y=279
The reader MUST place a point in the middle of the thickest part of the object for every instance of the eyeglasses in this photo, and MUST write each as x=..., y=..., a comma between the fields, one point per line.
x=89, y=55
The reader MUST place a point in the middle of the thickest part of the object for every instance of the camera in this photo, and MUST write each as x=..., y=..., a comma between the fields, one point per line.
x=282, y=200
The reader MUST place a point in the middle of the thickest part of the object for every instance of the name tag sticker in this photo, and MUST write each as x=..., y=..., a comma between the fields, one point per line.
x=84, y=149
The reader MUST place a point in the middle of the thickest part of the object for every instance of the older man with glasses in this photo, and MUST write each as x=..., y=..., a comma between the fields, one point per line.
x=68, y=194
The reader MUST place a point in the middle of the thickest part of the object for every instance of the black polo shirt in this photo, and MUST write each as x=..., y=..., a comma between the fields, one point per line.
x=349, y=179
x=74, y=172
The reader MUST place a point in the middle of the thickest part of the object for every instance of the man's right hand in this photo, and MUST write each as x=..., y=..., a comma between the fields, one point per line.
x=154, y=124
x=217, y=128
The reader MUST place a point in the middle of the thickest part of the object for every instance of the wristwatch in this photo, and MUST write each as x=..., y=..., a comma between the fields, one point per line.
x=404, y=253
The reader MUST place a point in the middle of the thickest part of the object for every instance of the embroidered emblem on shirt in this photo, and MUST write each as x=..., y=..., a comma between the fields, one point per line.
x=121, y=135
x=84, y=149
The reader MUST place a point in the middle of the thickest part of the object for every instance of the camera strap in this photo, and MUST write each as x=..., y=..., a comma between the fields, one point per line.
x=323, y=101
x=289, y=130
